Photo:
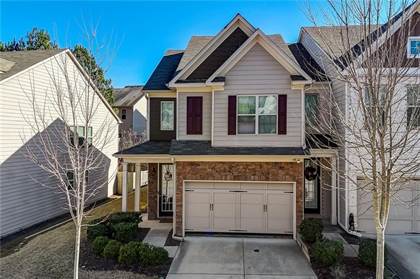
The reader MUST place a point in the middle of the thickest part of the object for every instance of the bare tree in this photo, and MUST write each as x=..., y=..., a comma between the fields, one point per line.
x=73, y=127
x=130, y=138
x=374, y=126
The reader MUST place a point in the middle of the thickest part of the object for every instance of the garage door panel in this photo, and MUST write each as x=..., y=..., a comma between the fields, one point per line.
x=279, y=212
x=253, y=217
x=223, y=211
x=199, y=185
x=197, y=208
x=280, y=186
x=253, y=186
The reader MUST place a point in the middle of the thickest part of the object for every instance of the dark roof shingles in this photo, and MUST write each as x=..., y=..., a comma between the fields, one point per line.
x=164, y=72
x=307, y=63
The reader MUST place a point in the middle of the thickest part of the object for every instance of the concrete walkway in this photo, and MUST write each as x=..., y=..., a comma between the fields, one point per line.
x=158, y=234
x=236, y=257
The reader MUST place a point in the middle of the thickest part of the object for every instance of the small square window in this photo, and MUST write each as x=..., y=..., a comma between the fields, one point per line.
x=123, y=114
x=413, y=47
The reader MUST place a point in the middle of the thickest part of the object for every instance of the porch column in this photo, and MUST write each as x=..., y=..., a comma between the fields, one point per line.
x=137, y=188
x=124, y=188
x=334, y=190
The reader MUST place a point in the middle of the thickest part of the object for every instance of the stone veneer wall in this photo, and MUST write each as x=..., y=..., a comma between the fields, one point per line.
x=239, y=171
x=152, y=192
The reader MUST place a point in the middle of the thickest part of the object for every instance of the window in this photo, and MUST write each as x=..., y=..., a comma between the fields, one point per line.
x=167, y=110
x=311, y=108
x=80, y=132
x=413, y=47
x=413, y=105
x=123, y=114
x=257, y=114
x=70, y=178
x=372, y=108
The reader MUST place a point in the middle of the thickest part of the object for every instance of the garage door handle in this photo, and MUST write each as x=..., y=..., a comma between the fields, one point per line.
x=237, y=191
x=288, y=192
x=189, y=190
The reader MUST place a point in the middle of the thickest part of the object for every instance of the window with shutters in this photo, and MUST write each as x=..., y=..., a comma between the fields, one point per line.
x=194, y=115
x=257, y=114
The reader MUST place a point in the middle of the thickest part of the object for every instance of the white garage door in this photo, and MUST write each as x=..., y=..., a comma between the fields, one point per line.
x=239, y=207
x=404, y=215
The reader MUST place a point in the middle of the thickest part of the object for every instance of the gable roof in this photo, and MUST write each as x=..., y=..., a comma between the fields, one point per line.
x=24, y=60
x=307, y=63
x=127, y=96
x=17, y=61
x=164, y=71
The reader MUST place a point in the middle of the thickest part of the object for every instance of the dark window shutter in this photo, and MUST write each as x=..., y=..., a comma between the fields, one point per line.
x=194, y=115
x=232, y=115
x=282, y=115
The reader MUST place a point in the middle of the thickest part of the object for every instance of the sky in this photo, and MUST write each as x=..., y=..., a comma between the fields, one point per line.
x=133, y=35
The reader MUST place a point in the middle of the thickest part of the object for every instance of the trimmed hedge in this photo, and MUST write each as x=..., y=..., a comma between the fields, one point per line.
x=367, y=252
x=311, y=230
x=136, y=252
x=112, y=250
x=327, y=252
x=99, y=244
x=125, y=232
x=94, y=231
x=124, y=217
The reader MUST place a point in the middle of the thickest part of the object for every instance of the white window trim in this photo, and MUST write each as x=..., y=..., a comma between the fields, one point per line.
x=173, y=111
x=412, y=106
x=410, y=39
x=256, y=115
x=86, y=132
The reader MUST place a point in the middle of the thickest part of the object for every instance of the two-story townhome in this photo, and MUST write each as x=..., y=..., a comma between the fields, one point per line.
x=30, y=83
x=131, y=106
x=404, y=214
x=226, y=147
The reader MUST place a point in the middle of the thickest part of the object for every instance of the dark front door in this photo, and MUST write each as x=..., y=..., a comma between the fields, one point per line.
x=312, y=187
x=166, y=189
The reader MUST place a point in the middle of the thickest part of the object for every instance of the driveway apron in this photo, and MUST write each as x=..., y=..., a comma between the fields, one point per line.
x=237, y=257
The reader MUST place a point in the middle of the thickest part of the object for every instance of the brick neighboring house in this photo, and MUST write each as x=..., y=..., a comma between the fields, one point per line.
x=132, y=109
x=226, y=141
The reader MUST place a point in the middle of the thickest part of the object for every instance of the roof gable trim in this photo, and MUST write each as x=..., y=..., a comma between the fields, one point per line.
x=277, y=53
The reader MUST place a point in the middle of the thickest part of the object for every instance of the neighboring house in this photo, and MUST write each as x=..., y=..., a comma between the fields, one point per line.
x=226, y=147
x=403, y=217
x=25, y=74
x=132, y=109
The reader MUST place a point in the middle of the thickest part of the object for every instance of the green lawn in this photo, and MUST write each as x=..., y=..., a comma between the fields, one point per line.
x=50, y=254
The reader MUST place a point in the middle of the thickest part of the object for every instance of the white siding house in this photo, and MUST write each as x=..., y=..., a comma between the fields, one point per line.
x=27, y=193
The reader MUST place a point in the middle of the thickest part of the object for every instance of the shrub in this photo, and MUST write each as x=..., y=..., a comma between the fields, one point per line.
x=94, y=231
x=327, y=252
x=99, y=244
x=150, y=255
x=367, y=252
x=124, y=217
x=112, y=249
x=129, y=253
x=125, y=232
x=311, y=230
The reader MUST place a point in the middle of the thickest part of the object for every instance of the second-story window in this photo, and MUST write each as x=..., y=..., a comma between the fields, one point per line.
x=167, y=115
x=257, y=114
x=413, y=105
x=311, y=108
x=413, y=47
x=82, y=133
x=123, y=114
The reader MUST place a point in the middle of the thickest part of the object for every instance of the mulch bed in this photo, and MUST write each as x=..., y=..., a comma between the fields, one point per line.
x=90, y=261
x=170, y=241
x=351, y=239
x=351, y=267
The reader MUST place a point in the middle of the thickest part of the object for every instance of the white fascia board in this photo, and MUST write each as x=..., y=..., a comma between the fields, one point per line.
x=268, y=45
x=237, y=21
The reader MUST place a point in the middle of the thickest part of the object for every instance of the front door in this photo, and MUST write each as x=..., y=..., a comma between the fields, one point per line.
x=312, y=189
x=166, y=189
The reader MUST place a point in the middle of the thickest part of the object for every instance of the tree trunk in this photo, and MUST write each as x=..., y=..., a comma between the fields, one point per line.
x=380, y=252
x=77, y=252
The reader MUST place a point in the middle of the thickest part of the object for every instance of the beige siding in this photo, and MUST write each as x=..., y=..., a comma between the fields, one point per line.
x=182, y=117
x=258, y=73
x=23, y=200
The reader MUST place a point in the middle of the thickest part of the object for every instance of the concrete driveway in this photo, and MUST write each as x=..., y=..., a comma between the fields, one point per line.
x=234, y=258
x=404, y=255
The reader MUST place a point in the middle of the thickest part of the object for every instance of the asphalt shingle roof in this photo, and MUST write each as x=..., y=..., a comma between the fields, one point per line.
x=21, y=60
x=195, y=147
x=127, y=96
x=164, y=72
x=307, y=63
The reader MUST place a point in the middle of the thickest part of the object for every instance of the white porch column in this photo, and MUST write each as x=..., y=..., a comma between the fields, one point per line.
x=334, y=190
x=124, y=188
x=137, y=188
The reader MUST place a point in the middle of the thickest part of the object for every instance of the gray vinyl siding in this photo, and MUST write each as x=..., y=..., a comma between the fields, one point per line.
x=258, y=73
x=29, y=195
x=339, y=91
x=182, y=116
